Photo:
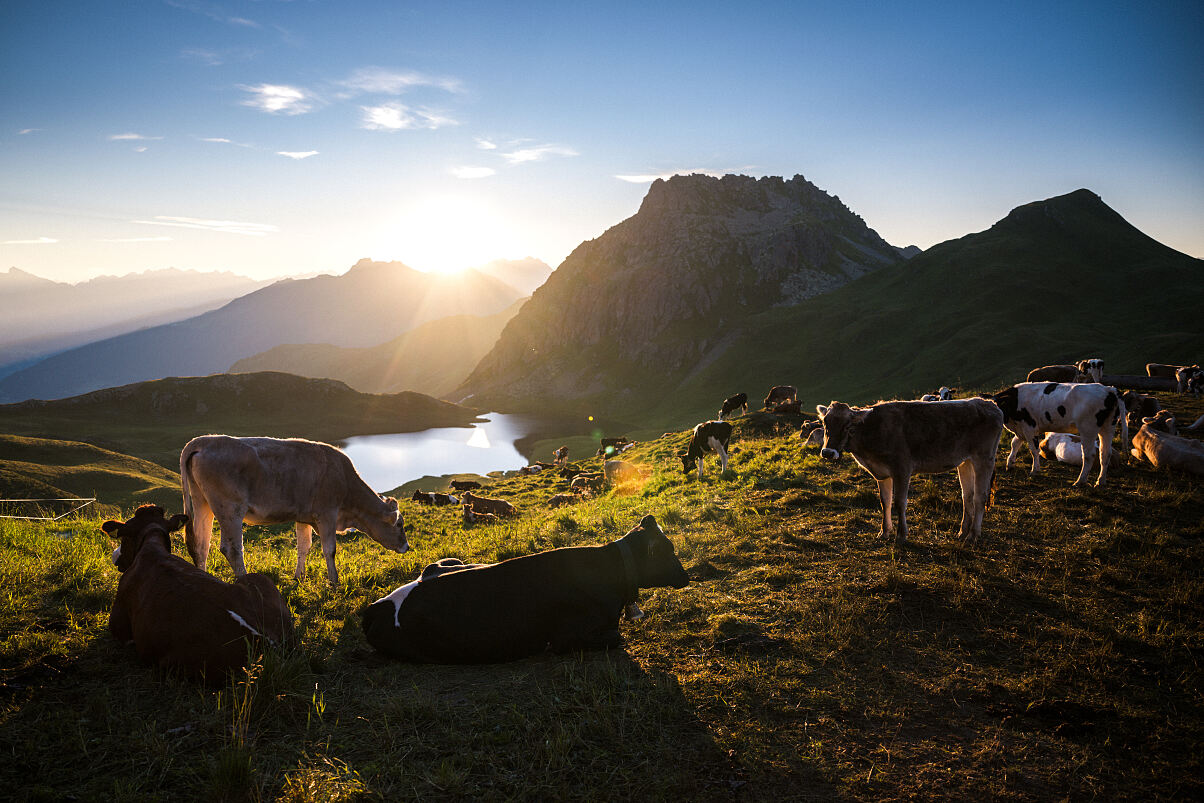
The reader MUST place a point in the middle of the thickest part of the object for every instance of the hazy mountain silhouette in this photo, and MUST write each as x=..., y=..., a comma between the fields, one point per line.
x=42, y=316
x=525, y=274
x=369, y=304
x=433, y=358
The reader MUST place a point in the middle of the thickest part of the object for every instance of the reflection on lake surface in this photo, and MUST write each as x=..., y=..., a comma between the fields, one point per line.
x=387, y=461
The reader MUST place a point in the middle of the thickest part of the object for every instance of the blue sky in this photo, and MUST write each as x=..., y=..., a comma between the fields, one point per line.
x=274, y=138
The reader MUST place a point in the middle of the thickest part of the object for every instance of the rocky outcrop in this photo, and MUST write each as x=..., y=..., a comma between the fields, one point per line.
x=637, y=308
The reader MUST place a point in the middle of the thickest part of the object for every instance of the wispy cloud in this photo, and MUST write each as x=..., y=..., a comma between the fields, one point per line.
x=378, y=81
x=486, y=145
x=536, y=154
x=39, y=241
x=216, y=139
x=213, y=12
x=136, y=240
x=279, y=98
x=399, y=117
x=225, y=226
x=467, y=171
x=131, y=137
x=201, y=56
x=28, y=130
x=298, y=155
x=648, y=178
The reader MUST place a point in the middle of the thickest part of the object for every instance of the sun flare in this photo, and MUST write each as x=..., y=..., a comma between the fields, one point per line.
x=446, y=234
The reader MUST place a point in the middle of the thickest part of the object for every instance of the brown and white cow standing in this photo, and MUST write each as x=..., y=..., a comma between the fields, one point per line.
x=273, y=481
x=1089, y=410
x=895, y=440
x=180, y=617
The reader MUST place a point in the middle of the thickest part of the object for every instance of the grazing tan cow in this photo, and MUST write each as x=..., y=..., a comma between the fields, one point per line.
x=1083, y=371
x=273, y=481
x=180, y=617
x=1154, y=444
x=481, y=504
x=895, y=440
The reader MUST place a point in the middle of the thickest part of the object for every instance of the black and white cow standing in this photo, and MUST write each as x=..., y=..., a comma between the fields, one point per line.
x=709, y=436
x=1090, y=410
x=732, y=404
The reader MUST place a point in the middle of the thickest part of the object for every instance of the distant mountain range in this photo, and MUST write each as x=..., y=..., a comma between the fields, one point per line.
x=371, y=303
x=524, y=274
x=433, y=358
x=42, y=316
x=636, y=311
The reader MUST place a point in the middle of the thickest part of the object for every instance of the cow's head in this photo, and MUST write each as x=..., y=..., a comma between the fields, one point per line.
x=945, y=394
x=656, y=562
x=687, y=462
x=839, y=421
x=148, y=522
x=1094, y=368
x=387, y=527
x=1164, y=421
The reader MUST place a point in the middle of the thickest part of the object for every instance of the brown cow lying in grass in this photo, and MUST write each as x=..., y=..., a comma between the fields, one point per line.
x=563, y=599
x=181, y=617
x=1154, y=444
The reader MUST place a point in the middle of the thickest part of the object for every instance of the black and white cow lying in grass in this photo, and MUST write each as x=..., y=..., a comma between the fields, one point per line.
x=563, y=599
x=709, y=436
x=1089, y=410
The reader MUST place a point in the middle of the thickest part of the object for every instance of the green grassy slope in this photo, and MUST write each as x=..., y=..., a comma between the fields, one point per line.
x=153, y=420
x=1053, y=282
x=1055, y=659
x=42, y=468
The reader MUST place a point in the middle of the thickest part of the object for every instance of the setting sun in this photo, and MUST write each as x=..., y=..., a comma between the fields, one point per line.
x=447, y=233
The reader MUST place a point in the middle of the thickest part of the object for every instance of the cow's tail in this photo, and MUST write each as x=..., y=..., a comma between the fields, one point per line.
x=1124, y=424
x=991, y=494
x=186, y=482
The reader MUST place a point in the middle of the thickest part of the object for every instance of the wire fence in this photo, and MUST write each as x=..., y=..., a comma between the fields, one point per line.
x=43, y=509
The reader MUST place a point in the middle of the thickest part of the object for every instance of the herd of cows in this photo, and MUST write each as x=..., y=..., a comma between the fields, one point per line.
x=179, y=616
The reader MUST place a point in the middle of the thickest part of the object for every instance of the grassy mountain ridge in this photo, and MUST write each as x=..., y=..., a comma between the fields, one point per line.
x=153, y=420
x=1055, y=659
x=433, y=358
x=1054, y=281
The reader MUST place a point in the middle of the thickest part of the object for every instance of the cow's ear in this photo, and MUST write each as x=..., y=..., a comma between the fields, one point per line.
x=111, y=526
x=821, y=409
x=649, y=523
x=390, y=503
x=1146, y=420
x=176, y=522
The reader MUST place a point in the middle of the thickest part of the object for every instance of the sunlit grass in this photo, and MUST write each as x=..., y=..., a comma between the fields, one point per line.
x=807, y=659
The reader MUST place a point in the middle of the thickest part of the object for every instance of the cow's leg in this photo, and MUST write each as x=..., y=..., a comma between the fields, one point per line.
x=1105, y=453
x=884, y=494
x=1034, y=446
x=965, y=476
x=305, y=539
x=901, y=488
x=722, y=455
x=326, y=532
x=230, y=522
x=1014, y=452
x=199, y=531
x=699, y=459
x=1088, y=441
x=984, y=476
